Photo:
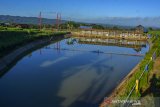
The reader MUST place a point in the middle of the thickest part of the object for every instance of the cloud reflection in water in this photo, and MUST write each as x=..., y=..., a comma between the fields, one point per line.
x=84, y=82
x=51, y=62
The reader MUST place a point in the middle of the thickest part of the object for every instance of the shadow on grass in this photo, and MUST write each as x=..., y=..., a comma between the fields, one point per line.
x=154, y=87
x=154, y=90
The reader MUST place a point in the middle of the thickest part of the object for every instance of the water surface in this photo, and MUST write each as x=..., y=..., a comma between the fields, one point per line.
x=50, y=77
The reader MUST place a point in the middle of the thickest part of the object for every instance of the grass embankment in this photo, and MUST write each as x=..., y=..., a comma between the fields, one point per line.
x=12, y=38
x=126, y=87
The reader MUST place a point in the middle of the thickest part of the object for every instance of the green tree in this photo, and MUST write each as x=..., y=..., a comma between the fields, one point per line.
x=150, y=28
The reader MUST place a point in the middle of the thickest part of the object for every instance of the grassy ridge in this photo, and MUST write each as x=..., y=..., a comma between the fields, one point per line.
x=11, y=38
x=143, y=84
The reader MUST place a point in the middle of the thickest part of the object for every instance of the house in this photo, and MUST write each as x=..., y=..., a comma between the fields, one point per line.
x=25, y=26
x=140, y=29
x=85, y=27
x=5, y=24
x=1, y=24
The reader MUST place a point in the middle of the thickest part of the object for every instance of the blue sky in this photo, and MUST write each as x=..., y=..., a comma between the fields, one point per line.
x=82, y=10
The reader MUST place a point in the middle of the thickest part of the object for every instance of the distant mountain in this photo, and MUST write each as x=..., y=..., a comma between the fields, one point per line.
x=26, y=20
x=121, y=22
x=126, y=21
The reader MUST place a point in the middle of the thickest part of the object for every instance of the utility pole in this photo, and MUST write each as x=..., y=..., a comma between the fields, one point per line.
x=70, y=24
x=53, y=25
x=40, y=21
x=57, y=21
x=60, y=19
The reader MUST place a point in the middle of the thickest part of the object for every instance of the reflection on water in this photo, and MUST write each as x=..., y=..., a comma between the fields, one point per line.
x=53, y=77
x=137, y=45
x=92, y=81
x=83, y=85
x=52, y=62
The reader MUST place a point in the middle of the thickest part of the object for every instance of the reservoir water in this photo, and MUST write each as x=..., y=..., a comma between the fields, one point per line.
x=74, y=72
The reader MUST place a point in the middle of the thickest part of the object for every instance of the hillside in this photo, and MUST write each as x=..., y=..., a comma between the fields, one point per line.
x=26, y=20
